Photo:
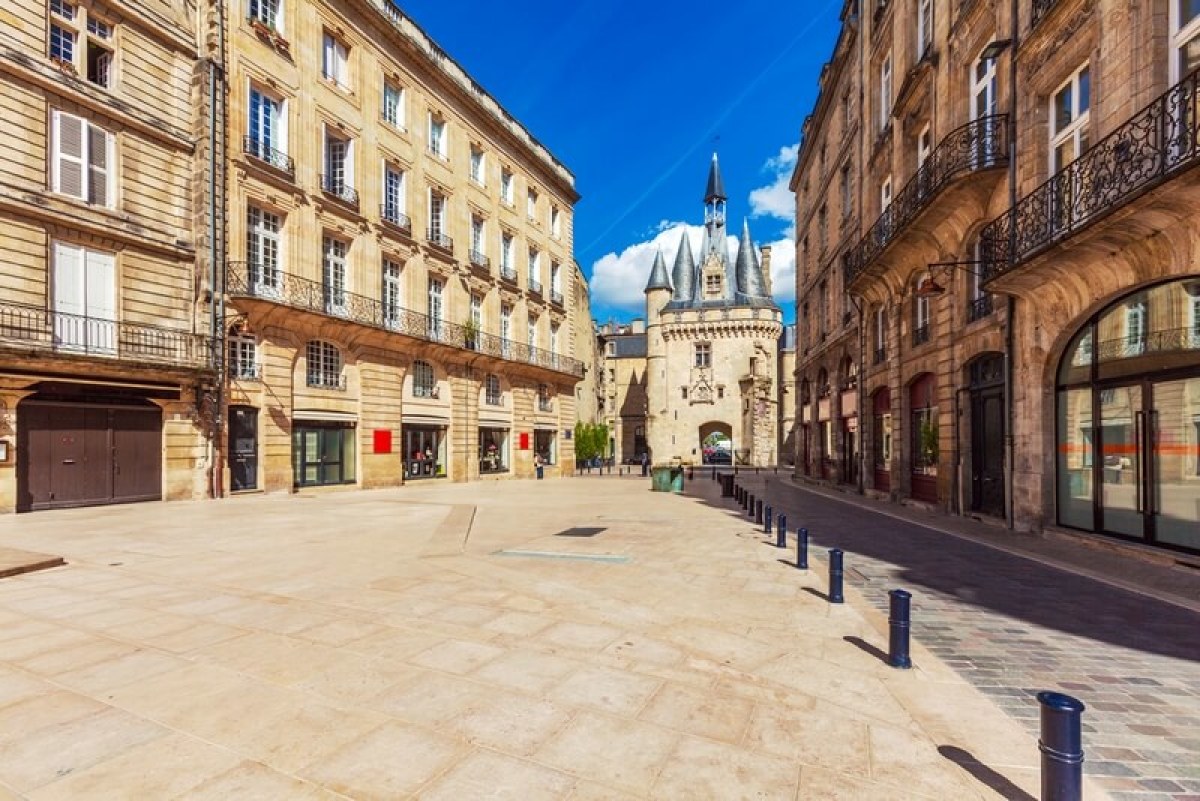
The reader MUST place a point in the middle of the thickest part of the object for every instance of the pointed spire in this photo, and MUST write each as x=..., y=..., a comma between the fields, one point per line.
x=683, y=275
x=658, y=274
x=716, y=187
x=750, y=281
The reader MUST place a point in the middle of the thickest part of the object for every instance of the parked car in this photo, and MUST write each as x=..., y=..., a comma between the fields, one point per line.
x=718, y=457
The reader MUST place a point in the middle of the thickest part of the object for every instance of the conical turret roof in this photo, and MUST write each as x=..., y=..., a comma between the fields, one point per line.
x=750, y=282
x=683, y=276
x=716, y=187
x=658, y=274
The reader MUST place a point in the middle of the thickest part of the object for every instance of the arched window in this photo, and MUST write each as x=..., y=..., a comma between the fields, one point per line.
x=823, y=383
x=243, y=354
x=849, y=374
x=492, y=395
x=424, y=385
x=325, y=366
x=922, y=309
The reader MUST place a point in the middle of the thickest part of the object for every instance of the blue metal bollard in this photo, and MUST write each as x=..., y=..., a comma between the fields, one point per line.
x=767, y=520
x=802, y=549
x=758, y=512
x=898, y=629
x=781, y=538
x=835, y=576
x=750, y=506
x=1061, y=745
x=714, y=473
x=782, y=526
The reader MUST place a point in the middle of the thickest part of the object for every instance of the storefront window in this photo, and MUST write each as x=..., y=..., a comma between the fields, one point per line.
x=545, y=445
x=323, y=454
x=493, y=450
x=424, y=451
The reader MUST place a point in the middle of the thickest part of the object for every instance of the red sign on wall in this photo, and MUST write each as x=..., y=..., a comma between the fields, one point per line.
x=524, y=441
x=383, y=440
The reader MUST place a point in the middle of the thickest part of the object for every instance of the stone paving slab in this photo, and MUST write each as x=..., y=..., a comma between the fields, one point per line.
x=376, y=645
x=1013, y=626
x=14, y=561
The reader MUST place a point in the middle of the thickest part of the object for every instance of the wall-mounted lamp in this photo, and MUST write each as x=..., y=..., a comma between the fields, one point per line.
x=995, y=48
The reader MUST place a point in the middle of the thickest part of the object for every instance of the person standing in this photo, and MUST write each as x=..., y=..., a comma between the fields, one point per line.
x=538, y=465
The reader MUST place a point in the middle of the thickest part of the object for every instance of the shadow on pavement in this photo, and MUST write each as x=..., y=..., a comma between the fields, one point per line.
x=983, y=774
x=863, y=645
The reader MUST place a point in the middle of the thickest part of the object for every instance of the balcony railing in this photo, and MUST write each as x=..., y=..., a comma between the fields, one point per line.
x=508, y=274
x=535, y=286
x=38, y=329
x=393, y=216
x=479, y=259
x=247, y=279
x=1040, y=9
x=979, y=145
x=979, y=308
x=339, y=189
x=556, y=297
x=326, y=381
x=880, y=355
x=268, y=155
x=1158, y=142
x=439, y=239
x=920, y=335
x=1167, y=341
x=545, y=404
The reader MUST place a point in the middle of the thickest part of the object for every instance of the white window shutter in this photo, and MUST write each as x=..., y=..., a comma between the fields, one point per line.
x=69, y=304
x=349, y=168
x=100, y=153
x=101, y=288
x=67, y=167
x=330, y=58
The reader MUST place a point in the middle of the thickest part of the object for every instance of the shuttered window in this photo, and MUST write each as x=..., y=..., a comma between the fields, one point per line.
x=82, y=160
x=85, y=299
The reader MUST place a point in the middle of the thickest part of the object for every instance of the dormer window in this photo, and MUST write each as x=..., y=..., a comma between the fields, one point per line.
x=712, y=285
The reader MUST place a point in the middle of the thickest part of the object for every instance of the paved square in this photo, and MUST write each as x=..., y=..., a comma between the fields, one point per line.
x=379, y=645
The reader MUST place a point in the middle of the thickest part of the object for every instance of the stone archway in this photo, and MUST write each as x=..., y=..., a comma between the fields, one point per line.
x=716, y=443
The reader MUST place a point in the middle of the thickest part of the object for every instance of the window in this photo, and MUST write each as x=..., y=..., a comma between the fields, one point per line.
x=880, y=334
x=335, y=61
x=393, y=105
x=506, y=330
x=712, y=284
x=435, y=290
x=437, y=219
x=555, y=226
x=1185, y=41
x=333, y=275
x=506, y=187
x=535, y=270
x=983, y=88
x=266, y=129
x=1069, y=119
x=683, y=392
x=822, y=227
x=243, y=355
x=395, y=203
x=885, y=92
x=554, y=340
x=531, y=204
x=391, y=294
x=262, y=251
x=555, y=278
x=823, y=302
x=921, y=315
x=62, y=44
x=62, y=9
x=94, y=60
x=266, y=12
x=324, y=368
x=424, y=385
x=924, y=27
x=438, y=144
x=477, y=239
x=1135, y=326
x=1194, y=307
x=476, y=311
x=84, y=160
x=544, y=399
x=84, y=285
x=924, y=145
x=477, y=165
x=532, y=333
x=703, y=355
x=844, y=191
x=506, y=253
x=492, y=394
x=885, y=194
x=339, y=165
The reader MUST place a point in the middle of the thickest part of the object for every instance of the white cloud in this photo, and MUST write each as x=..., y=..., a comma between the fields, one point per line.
x=619, y=280
x=776, y=199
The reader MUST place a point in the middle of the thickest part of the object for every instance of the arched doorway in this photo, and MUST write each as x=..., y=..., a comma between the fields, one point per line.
x=716, y=443
x=1128, y=419
x=985, y=376
x=923, y=437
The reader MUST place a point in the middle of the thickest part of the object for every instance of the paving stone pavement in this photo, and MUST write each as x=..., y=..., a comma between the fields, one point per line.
x=567, y=639
x=1013, y=626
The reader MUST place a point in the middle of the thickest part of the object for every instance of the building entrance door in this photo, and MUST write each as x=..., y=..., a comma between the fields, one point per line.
x=243, y=448
x=987, y=435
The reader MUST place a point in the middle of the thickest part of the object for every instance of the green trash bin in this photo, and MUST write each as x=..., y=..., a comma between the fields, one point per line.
x=677, y=480
x=666, y=479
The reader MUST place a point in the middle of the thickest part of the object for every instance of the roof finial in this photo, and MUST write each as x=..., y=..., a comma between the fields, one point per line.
x=716, y=187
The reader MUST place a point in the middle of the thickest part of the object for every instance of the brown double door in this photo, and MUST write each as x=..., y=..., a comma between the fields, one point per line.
x=72, y=454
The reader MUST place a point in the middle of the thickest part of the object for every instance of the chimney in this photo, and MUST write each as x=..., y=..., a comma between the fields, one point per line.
x=766, y=267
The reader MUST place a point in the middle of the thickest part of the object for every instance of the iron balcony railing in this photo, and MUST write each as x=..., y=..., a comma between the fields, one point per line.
x=508, y=274
x=979, y=308
x=393, y=216
x=339, y=189
x=439, y=239
x=74, y=334
x=1040, y=9
x=326, y=381
x=1158, y=142
x=981, y=144
x=920, y=335
x=556, y=297
x=479, y=259
x=248, y=279
x=535, y=285
x=268, y=155
x=880, y=355
x=1128, y=347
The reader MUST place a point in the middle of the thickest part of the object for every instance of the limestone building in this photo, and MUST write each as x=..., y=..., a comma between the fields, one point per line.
x=996, y=264
x=706, y=359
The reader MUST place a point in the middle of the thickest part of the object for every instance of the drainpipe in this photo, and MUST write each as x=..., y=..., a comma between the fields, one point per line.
x=859, y=306
x=216, y=92
x=1009, y=328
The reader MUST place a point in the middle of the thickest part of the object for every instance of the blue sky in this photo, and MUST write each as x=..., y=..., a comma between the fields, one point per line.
x=635, y=97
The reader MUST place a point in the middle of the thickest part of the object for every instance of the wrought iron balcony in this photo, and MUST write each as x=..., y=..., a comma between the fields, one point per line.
x=391, y=215
x=1157, y=143
x=251, y=280
x=1040, y=9
x=439, y=239
x=556, y=297
x=508, y=274
x=880, y=355
x=979, y=145
x=979, y=308
x=535, y=286
x=339, y=189
x=37, y=329
x=268, y=155
x=479, y=259
x=326, y=381
x=244, y=372
x=1154, y=342
x=920, y=335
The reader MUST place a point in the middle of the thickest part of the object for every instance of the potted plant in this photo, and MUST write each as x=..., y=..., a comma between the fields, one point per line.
x=470, y=334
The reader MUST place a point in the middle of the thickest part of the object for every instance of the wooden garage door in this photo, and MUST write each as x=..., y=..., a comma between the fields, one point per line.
x=81, y=455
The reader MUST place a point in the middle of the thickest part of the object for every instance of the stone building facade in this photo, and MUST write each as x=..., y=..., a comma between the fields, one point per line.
x=361, y=274
x=706, y=358
x=106, y=375
x=1016, y=252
